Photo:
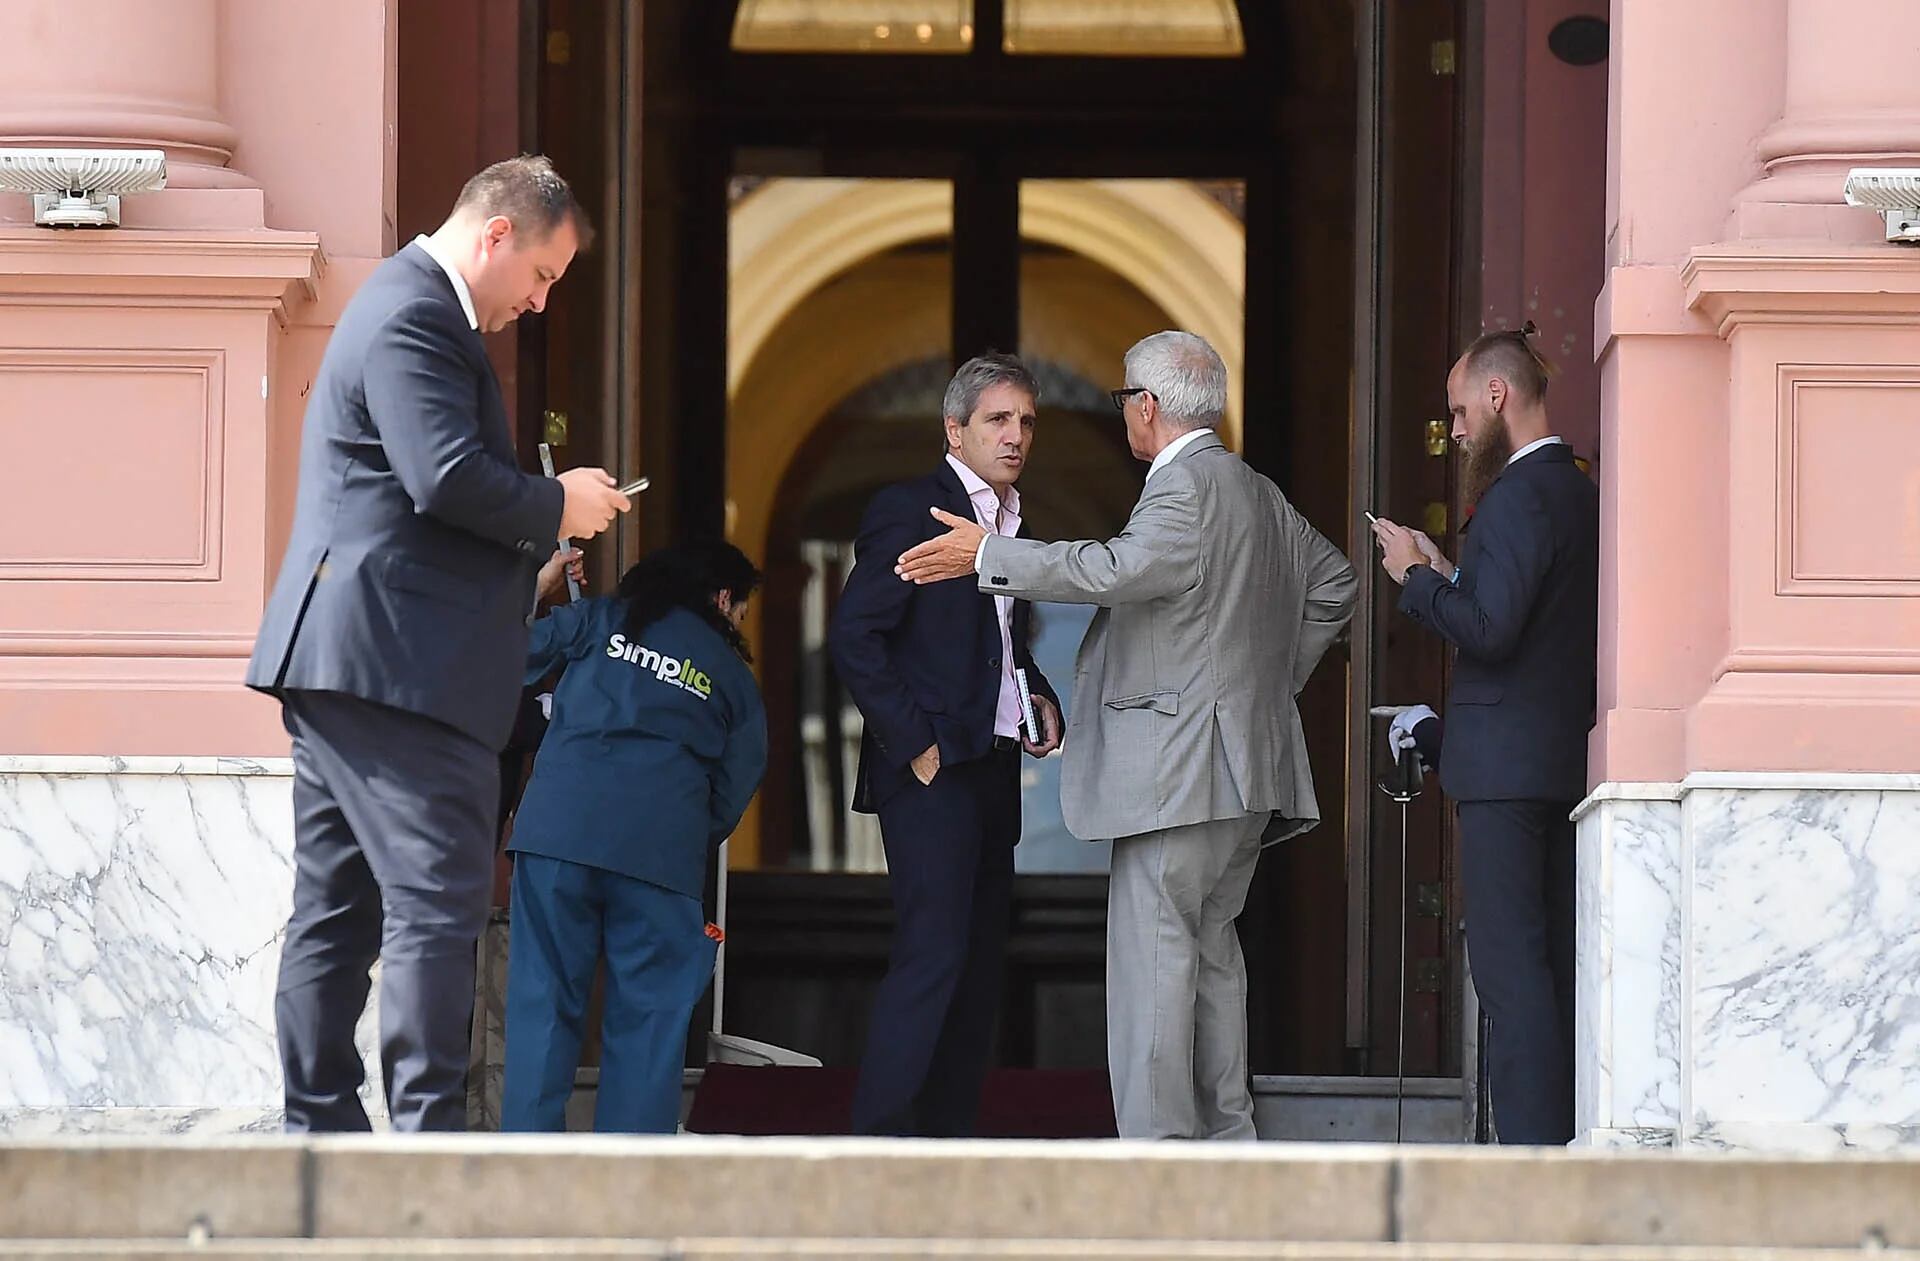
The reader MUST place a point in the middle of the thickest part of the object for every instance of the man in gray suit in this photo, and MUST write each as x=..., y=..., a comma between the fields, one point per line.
x=395, y=639
x=1183, y=743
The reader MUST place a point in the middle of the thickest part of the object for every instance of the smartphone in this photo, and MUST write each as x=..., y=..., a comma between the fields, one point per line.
x=1371, y=519
x=635, y=486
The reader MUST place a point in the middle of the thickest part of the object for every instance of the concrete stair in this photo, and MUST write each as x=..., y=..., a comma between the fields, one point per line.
x=898, y=1249
x=715, y=1199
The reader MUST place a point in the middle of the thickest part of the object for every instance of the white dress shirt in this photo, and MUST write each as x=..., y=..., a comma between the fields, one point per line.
x=1535, y=445
x=1175, y=447
x=460, y=289
x=1003, y=519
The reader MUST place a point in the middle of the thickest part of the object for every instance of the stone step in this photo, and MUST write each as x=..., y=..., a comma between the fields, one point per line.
x=982, y=1195
x=880, y=1250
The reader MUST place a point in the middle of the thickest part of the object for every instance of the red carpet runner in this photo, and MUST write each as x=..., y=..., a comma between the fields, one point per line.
x=1017, y=1102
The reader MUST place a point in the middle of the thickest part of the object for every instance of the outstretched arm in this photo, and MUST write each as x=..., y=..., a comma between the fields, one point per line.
x=1158, y=554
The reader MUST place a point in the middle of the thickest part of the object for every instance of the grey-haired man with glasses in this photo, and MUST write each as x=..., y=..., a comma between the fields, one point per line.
x=1184, y=744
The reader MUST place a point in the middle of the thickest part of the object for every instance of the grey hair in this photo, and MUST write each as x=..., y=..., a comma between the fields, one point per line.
x=1185, y=376
x=975, y=377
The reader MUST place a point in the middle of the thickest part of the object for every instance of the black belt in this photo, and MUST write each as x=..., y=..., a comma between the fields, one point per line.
x=1006, y=744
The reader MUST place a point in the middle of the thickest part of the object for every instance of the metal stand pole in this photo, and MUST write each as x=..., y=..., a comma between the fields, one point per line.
x=1402, y=786
x=1400, y=1024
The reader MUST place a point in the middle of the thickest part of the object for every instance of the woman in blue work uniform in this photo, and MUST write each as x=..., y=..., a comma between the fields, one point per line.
x=657, y=742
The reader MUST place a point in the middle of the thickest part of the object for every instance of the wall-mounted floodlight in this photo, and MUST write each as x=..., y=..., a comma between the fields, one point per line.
x=80, y=188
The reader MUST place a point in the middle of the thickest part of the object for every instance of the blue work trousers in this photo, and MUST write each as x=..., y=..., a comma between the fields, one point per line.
x=566, y=918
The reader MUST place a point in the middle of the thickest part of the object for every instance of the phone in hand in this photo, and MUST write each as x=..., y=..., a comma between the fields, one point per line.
x=635, y=486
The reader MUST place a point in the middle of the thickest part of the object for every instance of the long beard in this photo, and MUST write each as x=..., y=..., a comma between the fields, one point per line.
x=1486, y=458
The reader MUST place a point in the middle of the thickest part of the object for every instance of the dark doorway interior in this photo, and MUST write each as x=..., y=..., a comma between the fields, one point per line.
x=1340, y=123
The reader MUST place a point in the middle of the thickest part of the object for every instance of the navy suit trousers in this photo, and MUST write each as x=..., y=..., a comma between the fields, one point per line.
x=950, y=866
x=393, y=859
x=1516, y=869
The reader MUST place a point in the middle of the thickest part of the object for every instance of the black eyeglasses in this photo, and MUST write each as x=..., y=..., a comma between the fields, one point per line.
x=1120, y=397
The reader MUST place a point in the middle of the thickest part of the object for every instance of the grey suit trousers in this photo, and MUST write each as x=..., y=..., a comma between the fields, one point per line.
x=1177, y=982
x=394, y=819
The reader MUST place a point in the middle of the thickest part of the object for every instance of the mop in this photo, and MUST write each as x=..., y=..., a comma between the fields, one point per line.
x=730, y=1048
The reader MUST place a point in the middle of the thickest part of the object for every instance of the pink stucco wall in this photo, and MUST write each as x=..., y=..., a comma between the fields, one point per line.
x=1542, y=213
x=1760, y=365
x=1755, y=363
x=151, y=378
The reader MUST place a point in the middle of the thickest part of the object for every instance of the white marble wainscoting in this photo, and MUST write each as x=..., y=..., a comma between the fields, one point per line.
x=1627, y=1008
x=1750, y=963
x=1805, y=958
x=486, y=1069
x=142, y=902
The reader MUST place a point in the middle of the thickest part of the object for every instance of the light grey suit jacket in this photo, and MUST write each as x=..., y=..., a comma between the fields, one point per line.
x=1217, y=601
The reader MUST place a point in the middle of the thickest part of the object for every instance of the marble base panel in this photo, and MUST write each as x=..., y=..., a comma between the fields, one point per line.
x=486, y=1071
x=23, y=1124
x=144, y=901
x=1750, y=962
x=1625, y=1140
x=1627, y=1000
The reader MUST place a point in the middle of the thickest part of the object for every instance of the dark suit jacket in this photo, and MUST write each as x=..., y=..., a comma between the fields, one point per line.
x=1524, y=615
x=922, y=663
x=408, y=576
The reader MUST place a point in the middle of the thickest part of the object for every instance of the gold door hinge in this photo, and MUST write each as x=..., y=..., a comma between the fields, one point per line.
x=1428, y=975
x=553, y=428
x=1440, y=56
x=1437, y=437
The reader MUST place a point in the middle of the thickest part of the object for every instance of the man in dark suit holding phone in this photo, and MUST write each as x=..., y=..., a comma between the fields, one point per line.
x=1522, y=608
x=395, y=639
x=933, y=670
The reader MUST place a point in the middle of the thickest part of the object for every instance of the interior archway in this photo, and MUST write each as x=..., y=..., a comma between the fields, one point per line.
x=1168, y=239
x=883, y=315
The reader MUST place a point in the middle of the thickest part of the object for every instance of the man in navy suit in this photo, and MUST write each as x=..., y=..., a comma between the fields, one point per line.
x=1522, y=608
x=395, y=639
x=932, y=671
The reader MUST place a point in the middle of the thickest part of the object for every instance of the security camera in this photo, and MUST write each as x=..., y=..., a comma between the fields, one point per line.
x=80, y=188
x=1894, y=192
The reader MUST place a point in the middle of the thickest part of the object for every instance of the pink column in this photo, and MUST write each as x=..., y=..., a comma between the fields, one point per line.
x=119, y=73
x=1663, y=450
x=1850, y=101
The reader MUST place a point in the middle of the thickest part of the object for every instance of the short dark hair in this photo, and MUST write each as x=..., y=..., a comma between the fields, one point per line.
x=530, y=194
x=1510, y=355
x=978, y=375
